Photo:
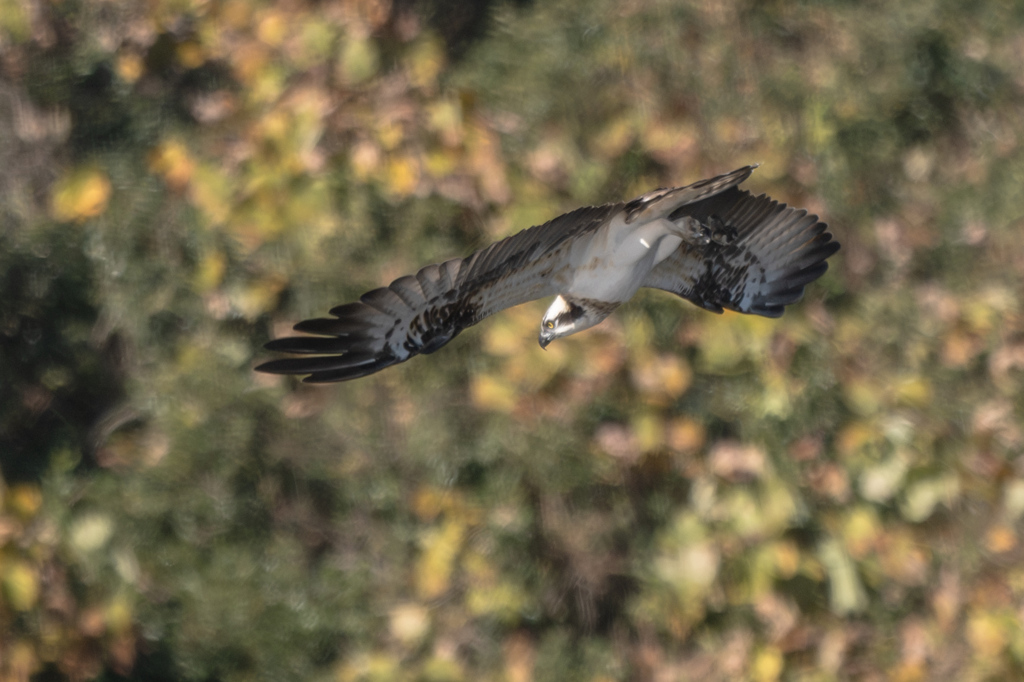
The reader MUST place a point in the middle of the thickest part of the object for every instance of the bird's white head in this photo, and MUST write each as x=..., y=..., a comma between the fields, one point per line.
x=567, y=316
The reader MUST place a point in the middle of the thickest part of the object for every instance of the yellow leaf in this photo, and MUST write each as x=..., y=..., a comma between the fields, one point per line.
x=520, y=656
x=986, y=634
x=24, y=499
x=778, y=508
x=846, y=593
x=210, y=272
x=434, y=568
x=787, y=558
x=268, y=83
x=671, y=143
x=981, y=317
x=258, y=297
x=490, y=393
x=91, y=532
x=442, y=162
x=685, y=435
x=211, y=193
x=1013, y=500
x=649, y=430
x=21, y=585
x=445, y=118
x=1000, y=538
x=236, y=13
x=425, y=62
x=856, y=436
x=172, y=161
x=666, y=374
x=429, y=501
x=190, y=54
x=880, y=482
x=485, y=159
x=691, y=570
x=442, y=668
x=359, y=61
x=615, y=138
x=768, y=665
x=501, y=600
x=902, y=558
x=861, y=532
x=80, y=195
x=487, y=593
x=15, y=21
x=775, y=401
x=923, y=496
x=504, y=337
x=272, y=28
x=403, y=175
x=314, y=44
x=861, y=396
x=910, y=671
x=819, y=126
x=119, y=614
x=389, y=134
x=249, y=61
x=727, y=340
x=365, y=667
x=960, y=348
x=409, y=623
x=744, y=512
x=914, y=391
x=130, y=66
x=20, y=661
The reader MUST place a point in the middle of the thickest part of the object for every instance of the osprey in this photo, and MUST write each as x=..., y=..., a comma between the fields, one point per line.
x=710, y=242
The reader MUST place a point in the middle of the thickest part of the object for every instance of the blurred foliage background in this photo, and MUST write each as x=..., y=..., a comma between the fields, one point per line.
x=836, y=495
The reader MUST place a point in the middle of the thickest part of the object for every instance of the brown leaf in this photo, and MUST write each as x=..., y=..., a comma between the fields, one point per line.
x=736, y=462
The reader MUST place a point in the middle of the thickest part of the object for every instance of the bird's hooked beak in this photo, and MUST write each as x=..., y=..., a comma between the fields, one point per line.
x=545, y=338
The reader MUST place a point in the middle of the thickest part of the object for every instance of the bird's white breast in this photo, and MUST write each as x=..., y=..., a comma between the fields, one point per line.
x=612, y=265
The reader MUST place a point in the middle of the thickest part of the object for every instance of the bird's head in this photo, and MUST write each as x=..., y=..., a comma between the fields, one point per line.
x=567, y=316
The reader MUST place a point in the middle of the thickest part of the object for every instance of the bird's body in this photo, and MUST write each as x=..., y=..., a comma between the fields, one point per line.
x=711, y=243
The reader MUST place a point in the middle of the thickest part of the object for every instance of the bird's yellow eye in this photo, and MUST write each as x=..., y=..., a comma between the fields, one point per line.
x=549, y=324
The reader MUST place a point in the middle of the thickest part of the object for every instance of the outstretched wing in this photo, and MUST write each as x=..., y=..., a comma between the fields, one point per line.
x=774, y=251
x=419, y=314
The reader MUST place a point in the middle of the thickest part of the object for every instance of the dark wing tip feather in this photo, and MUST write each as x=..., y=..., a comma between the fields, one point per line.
x=414, y=314
x=336, y=358
x=346, y=374
x=795, y=269
x=792, y=264
x=777, y=251
x=321, y=364
x=350, y=345
x=307, y=345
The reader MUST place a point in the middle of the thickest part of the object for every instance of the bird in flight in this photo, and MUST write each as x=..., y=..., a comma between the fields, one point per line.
x=711, y=243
